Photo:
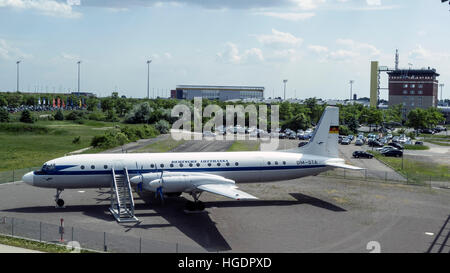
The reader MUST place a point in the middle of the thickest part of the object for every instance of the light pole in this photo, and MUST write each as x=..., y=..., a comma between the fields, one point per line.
x=285, y=81
x=148, y=78
x=79, y=63
x=18, y=62
x=351, y=88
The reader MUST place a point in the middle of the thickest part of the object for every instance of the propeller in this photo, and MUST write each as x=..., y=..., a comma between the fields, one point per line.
x=159, y=190
x=139, y=185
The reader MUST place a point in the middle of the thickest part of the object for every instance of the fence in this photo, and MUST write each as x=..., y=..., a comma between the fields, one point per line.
x=15, y=175
x=88, y=239
x=390, y=177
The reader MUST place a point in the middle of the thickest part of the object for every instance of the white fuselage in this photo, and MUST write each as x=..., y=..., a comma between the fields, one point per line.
x=94, y=170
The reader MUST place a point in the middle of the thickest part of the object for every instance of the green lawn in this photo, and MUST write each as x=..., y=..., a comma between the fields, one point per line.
x=20, y=150
x=34, y=245
x=244, y=145
x=416, y=171
x=416, y=147
x=161, y=146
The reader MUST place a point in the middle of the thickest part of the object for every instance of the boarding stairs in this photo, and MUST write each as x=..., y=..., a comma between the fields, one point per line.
x=122, y=202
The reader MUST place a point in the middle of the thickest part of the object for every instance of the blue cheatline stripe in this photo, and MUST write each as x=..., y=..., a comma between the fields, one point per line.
x=190, y=169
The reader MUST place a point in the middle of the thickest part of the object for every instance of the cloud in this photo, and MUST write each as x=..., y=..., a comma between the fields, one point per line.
x=70, y=57
x=279, y=39
x=373, y=2
x=419, y=53
x=45, y=7
x=9, y=52
x=318, y=49
x=291, y=16
x=232, y=55
x=359, y=47
x=308, y=4
x=211, y=4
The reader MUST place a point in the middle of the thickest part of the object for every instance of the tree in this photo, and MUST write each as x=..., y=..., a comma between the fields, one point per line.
x=417, y=118
x=26, y=117
x=4, y=115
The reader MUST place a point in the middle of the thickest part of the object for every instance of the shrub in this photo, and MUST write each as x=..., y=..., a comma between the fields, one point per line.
x=162, y=126
x=96, y=115
x=76, y=140
x=76, y=115
x=27, y=117
x=59, y=115
x=4, y=115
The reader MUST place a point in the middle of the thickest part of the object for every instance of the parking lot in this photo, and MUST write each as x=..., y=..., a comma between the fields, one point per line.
x=311, y=214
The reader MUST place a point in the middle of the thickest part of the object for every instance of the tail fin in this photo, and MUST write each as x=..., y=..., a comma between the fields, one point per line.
x=324, y=141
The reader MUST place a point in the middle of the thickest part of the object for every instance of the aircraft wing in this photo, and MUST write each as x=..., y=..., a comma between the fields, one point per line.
x=227, y=190
x=343, y=166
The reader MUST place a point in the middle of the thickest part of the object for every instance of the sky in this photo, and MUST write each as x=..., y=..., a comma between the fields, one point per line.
x=317, y=45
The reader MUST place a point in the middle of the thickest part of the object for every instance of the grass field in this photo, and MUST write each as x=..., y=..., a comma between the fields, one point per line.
x=244, y=145
x=34, y=245
x=20, y=149
x=414, y=170
x=416, y=147
x=161, y=146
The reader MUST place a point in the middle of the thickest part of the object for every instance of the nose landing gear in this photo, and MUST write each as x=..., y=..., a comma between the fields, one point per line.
x=59, y=201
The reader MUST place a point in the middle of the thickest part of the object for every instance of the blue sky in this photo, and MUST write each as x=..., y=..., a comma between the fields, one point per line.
x=318, y=45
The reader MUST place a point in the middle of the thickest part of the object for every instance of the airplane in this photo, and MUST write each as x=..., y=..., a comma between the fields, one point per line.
x=171, y=174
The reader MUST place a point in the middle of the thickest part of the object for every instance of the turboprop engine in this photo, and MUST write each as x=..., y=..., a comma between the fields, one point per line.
x=176, y=181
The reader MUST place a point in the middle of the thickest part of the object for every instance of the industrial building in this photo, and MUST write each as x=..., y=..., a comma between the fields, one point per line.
x=222, y=93
x=413, y=88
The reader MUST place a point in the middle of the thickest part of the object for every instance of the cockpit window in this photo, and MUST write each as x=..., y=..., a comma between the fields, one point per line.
x=48, y=167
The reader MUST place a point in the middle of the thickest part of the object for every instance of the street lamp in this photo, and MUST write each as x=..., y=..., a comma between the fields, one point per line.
x=148, y=78
x=18, y=62
x=351, y=88
x=285, y=81
x=79, y=63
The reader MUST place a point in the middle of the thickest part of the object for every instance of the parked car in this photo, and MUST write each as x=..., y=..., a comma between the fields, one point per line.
x=392, y=152
x=358, y=154
x=428, y=131
x=396, y=145
x=346, y=141
x=374, y=143
x=359, y=142
x=439, y=128
x=418, y=143
x=302, y=143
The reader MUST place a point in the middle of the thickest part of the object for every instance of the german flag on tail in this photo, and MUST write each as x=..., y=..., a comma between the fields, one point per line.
x=334, y=129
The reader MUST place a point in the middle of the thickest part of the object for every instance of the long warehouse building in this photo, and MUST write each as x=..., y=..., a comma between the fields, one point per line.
x=221, y=93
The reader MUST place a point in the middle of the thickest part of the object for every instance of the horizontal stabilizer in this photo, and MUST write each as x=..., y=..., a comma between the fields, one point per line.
x=229, y=191
x=343, y=166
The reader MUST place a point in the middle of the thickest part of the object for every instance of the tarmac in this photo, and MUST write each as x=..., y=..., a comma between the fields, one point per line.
x=311, y=214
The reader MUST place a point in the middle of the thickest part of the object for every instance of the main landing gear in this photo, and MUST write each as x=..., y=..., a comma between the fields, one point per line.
x=59, y=201
x=196, y=206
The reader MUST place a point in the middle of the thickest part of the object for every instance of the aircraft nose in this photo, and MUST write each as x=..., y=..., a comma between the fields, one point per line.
x=28, y=178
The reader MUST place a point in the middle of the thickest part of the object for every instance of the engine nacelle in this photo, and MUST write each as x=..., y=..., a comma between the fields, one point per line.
x=177, y=181
x=168, y=184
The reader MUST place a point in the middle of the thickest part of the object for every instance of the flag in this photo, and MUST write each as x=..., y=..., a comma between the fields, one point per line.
x=39, y=101
x=54, y=102
x=59, y=103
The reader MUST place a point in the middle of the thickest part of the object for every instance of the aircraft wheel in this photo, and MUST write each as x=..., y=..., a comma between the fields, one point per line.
x=199, y=206
x=60, y=203
x=190, y=206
